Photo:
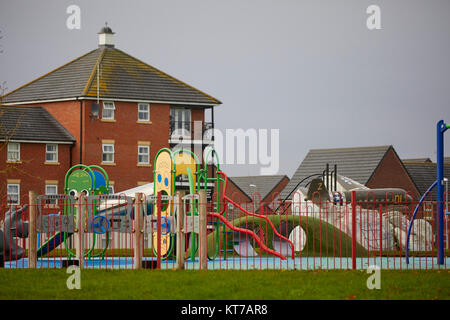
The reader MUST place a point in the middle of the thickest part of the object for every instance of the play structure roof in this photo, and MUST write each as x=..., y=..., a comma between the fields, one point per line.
x=31, y=124
x=121, y=76
x=261, y=184
x=357, y=163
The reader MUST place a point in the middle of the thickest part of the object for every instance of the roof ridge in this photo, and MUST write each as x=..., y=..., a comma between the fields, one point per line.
x=170, y=77
x=348, y=148
x=419, y=163
x=94, y=70
x=48, y=73
x=268, y=175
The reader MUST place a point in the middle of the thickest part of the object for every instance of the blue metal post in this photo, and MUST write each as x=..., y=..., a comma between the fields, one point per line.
x=441, y=128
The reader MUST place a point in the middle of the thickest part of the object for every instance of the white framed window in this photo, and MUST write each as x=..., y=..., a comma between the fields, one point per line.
x=108, y=153
x=51, y=153
x=51, y=189
x=108, y=110
x=143, y=112
x=13, y=193
x=13, y=151
x=143, y=154
x=111, y=189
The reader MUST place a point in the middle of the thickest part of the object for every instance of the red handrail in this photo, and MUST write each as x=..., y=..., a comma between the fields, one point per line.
x=224, y=197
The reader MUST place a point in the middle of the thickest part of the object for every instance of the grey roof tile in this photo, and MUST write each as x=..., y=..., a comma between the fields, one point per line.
x=424, y=175
x=262, y=184
x=357, y=163
x=121, y=77
x=31, y=124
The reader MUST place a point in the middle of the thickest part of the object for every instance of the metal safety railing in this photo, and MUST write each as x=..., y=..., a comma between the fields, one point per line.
x=122, y=232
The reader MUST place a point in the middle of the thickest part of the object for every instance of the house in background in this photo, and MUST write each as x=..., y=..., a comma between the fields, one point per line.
x=263, y=188
x=119, y=111
x=374, y=167
x=423, y=174
x=35, y=152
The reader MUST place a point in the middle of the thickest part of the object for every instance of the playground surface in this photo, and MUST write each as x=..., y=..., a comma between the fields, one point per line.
x=223, y=285
x=254, y=263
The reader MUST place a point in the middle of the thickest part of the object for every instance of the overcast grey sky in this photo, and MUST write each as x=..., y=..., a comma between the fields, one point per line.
x=309, y=68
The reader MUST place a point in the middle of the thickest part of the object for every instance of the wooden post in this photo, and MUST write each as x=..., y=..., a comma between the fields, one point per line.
x=353, y=230
x=32, y=232
x=138, y=231
x=202, y=235
x=181, y=245
x=79, y=235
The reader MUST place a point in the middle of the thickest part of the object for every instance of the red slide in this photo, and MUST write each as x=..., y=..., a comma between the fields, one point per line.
x=224, y=197
x=229, y=225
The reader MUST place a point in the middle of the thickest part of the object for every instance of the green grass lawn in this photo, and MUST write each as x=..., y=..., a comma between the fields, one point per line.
x=222, y=285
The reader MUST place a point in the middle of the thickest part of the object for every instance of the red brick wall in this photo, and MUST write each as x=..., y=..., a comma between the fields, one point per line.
x=124, y=130
x=68, y=115
x=31, y=170
x=391, y=174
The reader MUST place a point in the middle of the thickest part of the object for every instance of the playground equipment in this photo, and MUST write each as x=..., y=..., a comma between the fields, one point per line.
x=171, y=167
x=441, y=127
x=13, y=227
x=80, y=179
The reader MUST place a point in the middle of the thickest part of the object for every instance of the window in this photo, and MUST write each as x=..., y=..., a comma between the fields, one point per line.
x=51, y=153
x=143, y=154
x=111, y=189
x=13, y=193
x=108, y=153
x=108, y=110
x=180, y=122
x=143, y=112
x=13, y=151
x=51, y=189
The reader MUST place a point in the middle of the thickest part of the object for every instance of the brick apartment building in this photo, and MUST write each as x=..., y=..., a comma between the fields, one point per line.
x=118, y=111
x=35, y=153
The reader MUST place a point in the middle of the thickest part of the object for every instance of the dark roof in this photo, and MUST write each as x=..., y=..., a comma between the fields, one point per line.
x=424, y=175
x=358, y=163
x=106, y=29
x=121, y=77
x=263, y=184
x=418, y=160
x=31, y=124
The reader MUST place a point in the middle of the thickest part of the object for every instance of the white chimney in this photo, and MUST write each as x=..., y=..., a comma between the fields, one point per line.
x=106, y=37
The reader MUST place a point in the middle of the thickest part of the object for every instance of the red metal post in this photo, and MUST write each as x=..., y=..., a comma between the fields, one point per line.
x=381, y=232
x=353, y=230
